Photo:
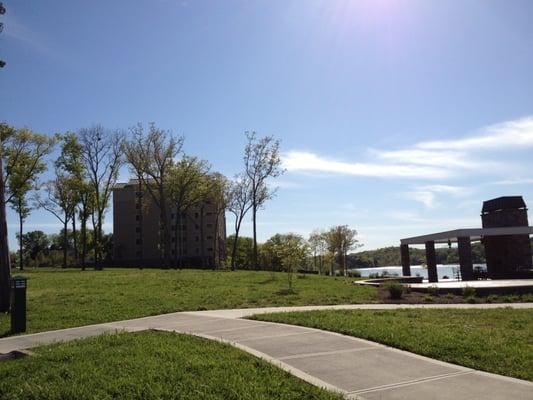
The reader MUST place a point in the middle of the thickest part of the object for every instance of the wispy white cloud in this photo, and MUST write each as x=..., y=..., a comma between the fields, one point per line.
x=429, y=195
x=15, y=29
x=307, y=161
x=433, y=158
x=516, y=133
x=428, y=160
x=509, y=182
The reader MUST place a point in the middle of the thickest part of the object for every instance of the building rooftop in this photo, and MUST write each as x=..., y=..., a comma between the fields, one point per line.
x=503, y=203
x=473, y=233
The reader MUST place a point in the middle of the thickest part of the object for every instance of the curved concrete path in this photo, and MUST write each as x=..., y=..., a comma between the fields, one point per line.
x=357, y=368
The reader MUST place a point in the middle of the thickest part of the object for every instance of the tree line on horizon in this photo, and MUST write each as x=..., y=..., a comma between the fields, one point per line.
x=85, y=172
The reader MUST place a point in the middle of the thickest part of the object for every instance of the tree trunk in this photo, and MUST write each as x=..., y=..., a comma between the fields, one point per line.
x=165, y=241
x=65, y=242
x=83, y=241
x=202, y=237
x=234, y=249
x=5, y=262
x=254, y=213
x=216, y=253
x=98, y=243
x=21, y=222
x=177, y=239
x=76, y=255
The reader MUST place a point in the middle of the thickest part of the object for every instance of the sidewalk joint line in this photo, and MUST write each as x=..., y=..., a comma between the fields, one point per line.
x=411, y=382
x=326, y=353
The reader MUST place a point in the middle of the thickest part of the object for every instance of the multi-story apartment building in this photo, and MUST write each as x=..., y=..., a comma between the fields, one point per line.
x=197, y=236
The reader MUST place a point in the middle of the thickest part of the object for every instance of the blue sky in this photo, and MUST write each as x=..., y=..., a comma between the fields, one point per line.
x=396, y=117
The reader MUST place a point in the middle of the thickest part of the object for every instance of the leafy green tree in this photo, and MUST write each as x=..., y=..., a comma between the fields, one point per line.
x=318, y=243
x=188, y=185
x=150, y=156
x=292, y=250
x=25, y=160
x=6, y=131
x=71, y=163
x=35, y=244
x=342, y=239
x=60, y=199
x=241, y=251
x=261, y=162
x=219, y=194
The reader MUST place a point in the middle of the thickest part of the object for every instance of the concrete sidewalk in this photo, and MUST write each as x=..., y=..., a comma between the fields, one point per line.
x=357, y=368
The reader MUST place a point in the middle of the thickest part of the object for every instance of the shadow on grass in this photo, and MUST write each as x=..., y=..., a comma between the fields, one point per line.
x=286, y=292
x=270, y=279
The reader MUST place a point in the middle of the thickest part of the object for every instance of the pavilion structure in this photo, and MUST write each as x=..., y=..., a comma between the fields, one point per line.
x=505, y=235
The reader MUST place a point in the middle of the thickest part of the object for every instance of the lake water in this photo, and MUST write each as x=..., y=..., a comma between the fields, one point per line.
x=442, y=270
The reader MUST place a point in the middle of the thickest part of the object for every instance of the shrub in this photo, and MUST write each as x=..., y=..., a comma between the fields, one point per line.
x=433, y=290
x=428, y=299
x=395, y=288
x=354, y=274
x=469, y=291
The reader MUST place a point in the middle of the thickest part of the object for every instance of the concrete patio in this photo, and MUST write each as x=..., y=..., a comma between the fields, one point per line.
x=357, y=368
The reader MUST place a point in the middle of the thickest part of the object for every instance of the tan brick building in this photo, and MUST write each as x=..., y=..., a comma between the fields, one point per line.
x=197, y=236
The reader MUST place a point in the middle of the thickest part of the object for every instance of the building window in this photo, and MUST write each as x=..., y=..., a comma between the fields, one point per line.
x=210, y=238
x=184, y=227
x=209, y=213
x=139, y=241
x=197, y=250
x=184, y=239
x=137, y=205
x=197, y=238
x=209, y=225
x=197, y=226
x=138, y=229
x=195, y=215
x=137, y=217
x=210, y=249
x=139, y=253
x=172, y=215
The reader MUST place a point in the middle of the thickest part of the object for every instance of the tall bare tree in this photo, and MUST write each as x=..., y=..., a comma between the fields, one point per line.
x=261, y=161
x=150, y=156
x=101, y=152
x=239, y=203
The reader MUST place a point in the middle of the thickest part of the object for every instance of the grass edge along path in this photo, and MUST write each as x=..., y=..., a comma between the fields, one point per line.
x=495, y=340
x=149, y=365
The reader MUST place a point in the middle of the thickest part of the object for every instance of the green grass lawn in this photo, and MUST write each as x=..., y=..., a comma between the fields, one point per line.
x=148, y=365
x=498, y=340
x=67, y=298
